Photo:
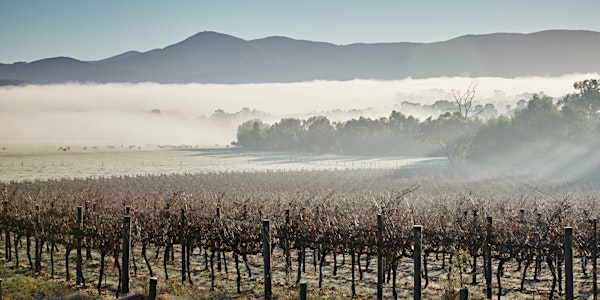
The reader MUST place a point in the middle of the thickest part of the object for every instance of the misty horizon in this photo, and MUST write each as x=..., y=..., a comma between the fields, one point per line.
x=120, y=113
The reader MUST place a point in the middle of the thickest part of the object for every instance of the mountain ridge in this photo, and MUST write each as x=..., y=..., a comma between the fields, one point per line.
x=212, y=57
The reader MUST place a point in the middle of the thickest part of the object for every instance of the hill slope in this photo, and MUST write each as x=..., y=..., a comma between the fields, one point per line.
x=214, y=57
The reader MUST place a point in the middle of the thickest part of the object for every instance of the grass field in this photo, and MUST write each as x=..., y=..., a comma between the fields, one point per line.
x=52, y=163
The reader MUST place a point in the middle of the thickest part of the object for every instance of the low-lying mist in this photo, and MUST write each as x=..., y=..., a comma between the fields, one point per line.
x=78, y=114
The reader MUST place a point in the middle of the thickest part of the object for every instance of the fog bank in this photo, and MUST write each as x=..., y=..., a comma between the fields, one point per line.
x=149, y=113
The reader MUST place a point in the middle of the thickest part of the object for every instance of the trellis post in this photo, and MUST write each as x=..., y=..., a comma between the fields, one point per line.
x=417, y=241
x=152, y=293
x=379, y=257
x=126, y=252
x=488, y=258
x=568, y=244
x=266, y=237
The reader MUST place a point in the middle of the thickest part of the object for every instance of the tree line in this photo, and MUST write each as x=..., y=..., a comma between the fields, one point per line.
x=531, y=132
x=396, y=134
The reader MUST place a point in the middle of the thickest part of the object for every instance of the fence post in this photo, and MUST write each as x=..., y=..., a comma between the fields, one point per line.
x=79, y=259
x=488, y=258
x=379, y=257
x=126, y=252
x=464, y=293
x=303, y=290
x=288, y=259
x=266, y=237
x=1, y=296
x=595, y=260
x=183, y=250
x=38, y=251
x=475, y=227
x=569, y=263
x=152, y=293
x=521, y=216
x=417, y=241
x=7, y=246
x=86, y=212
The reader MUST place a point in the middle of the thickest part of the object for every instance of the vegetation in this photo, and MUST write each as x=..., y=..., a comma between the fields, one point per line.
x=393, y=135
x=540, y=131
x=201, y=234
x=331, y=226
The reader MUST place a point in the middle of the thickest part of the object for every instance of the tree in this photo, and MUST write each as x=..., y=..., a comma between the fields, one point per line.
x=539, y=120
x=493, y=141
x=251, y=135
x=576, y=123
x=287, y=134
x=465, y=100
x=588, y=98
x=320, y=136
x=450, y=131
x=528, y=136
x=444, y=106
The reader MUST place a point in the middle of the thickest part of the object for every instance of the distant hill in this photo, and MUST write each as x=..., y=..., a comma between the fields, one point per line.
x=211, y=57
x=4, y=82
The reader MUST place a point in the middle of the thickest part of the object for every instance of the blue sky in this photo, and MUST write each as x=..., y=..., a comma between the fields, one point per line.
x=91, y=30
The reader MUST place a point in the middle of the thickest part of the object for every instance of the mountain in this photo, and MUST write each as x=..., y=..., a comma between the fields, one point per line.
x=211, y=57
x=119, y=57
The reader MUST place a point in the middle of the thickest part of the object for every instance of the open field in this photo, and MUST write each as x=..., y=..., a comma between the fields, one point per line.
x=53, y=163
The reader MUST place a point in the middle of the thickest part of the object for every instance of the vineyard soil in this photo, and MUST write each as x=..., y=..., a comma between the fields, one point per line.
x=328, y=213
x=22, y=283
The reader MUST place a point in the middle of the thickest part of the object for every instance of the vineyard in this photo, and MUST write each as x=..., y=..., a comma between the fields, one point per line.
x=331, y=229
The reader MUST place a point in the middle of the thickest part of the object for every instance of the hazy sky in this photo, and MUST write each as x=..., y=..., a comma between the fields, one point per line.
x=91, y=30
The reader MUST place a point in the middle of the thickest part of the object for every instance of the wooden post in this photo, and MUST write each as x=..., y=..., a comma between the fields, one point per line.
x=303, y=290
x=475, y=228
x=79, y=259
x=464, y=293
x=488, y=258
x=7, y=246
x=1, y=296
x=183, y=252
x=88, y=251
x=125, y=257
x=152, y=293
x=266, y=237
x=288, y=258
x=595, y=260
x=417, y=241
x=569, y=263
x=38, y=251
x=379, y=257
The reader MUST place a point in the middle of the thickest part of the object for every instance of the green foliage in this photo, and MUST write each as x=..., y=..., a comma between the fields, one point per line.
x=252, y=134
x=587, y=100
x=320, y=135
x=539, y=130
x=394, y=135
x=456, y=274
x=445, y=105
x=450, y=131
x=287, y=134
x=25, y=287
x=537, y=134
x=577, y=126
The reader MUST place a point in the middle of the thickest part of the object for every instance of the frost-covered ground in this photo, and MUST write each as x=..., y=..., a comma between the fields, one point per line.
x=52, y=163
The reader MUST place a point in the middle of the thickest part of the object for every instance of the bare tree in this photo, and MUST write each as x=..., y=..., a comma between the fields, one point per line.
x=465, y=100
